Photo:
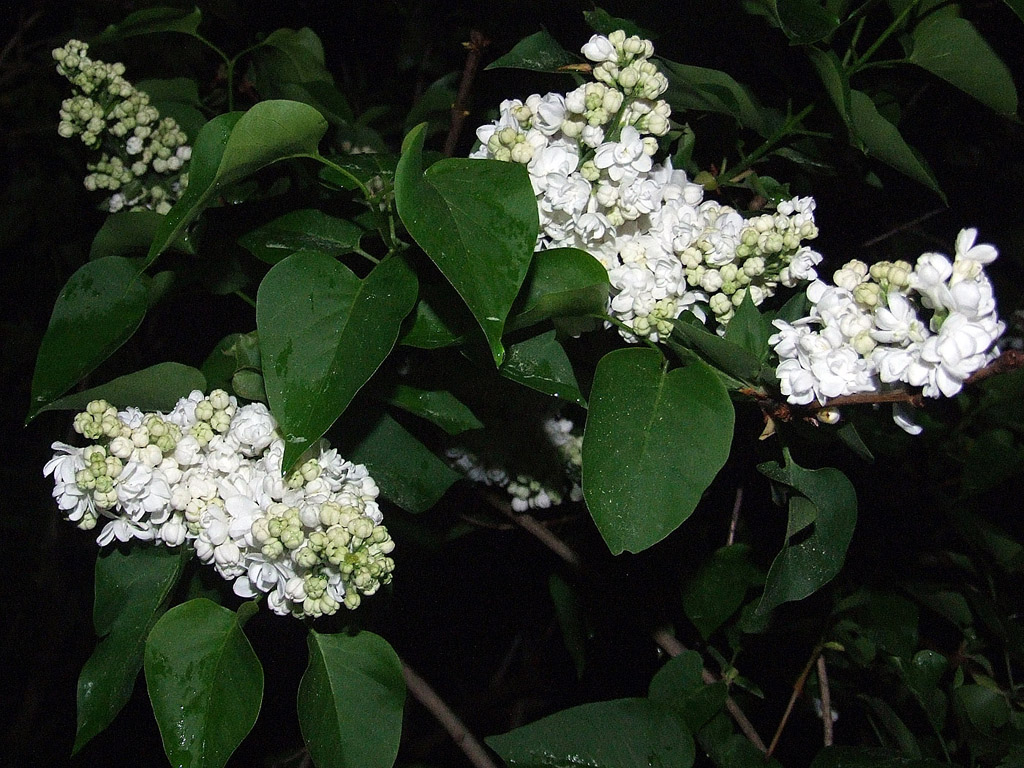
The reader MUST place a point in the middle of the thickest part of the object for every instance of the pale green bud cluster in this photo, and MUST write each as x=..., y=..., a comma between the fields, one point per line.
x=659, y=320
x=339, y=544
x=632, y=72
x=144, y=159
x=99, y=478
x=761, y=259
x=871, y=285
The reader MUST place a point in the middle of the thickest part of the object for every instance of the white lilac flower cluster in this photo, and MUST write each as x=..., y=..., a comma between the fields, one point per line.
x=590, y=153
x=144, y=159
x=209, y=474
x=929, y=325
x=527, y=492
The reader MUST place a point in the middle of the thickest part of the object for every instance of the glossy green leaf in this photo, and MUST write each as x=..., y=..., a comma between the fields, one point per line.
x=350, y=701
x=864, y=757
x=406, y=471
x=749, y=330
x=881, y=139
x=540, y=363
x=987, y=710
x=304, y=230
x=477, y=220
x=654, y=441
x=437, y=406
x=717, y=590
x=289, y=57
x=205, y=682
x=96, y=312
x=323, y=332
x=806, y=21
x=800, y=569
x=156, y=388
x=729, y=356
x=625, y=733
x=131, y=587
x=710, y=90
x=434, y=107
x=207, y=152
x=539, y=52
x=562, y=282
x=1017, y=6
x=604, y=23
x=954, y=50
x=131, y=233
x=232, y=146
x=680, y=685
x=440, y=319
x=249, y=384
x=152, y=20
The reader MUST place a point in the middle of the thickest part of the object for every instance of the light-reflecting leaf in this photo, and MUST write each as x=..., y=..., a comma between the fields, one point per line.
x=131, y=587
x=882, y=140
x=562, y=282
x=205, y=682
x=654, y=441
x=304, y=230
x=437, y=406
x=805, y=21
x=152, y=20
x=711, y=90
x=232, y=146
x=730, y=357
x=624, y=733
x=802, y=568
x=954, y=50
x=749, y=330
x=477, y=220
x=323, y=332
x=156, y=388
x=131, y=233
x=539, y=52
x=96, y=312
x=350, y=701
x=540, y=363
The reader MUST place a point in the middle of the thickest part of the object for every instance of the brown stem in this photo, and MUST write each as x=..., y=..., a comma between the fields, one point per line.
x=665, y=641
x=1010, y=360
x=673, y=648
x=907, y=225
x=734, y=521
x=465, y=740
x=798, y=688
x=826, y=700
x=460, y=109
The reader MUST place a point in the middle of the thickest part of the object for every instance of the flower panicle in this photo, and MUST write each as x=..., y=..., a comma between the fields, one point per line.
x=208, y=474
x=144, y=158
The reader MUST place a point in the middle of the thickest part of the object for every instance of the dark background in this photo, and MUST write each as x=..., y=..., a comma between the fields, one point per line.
x=471, y=613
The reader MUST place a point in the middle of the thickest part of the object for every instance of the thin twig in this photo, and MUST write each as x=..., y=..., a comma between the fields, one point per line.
x=798, y=688
x=465, y=740
x=673, y=647
x=734, y=521
x=460, y=109
x=530, y=524
x=826, y=700
x=665, y=641
x=896, y=230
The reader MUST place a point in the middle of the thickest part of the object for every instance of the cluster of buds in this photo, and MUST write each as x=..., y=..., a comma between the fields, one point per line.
x=209, y=473
x=143, y=159
x=768, y=251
